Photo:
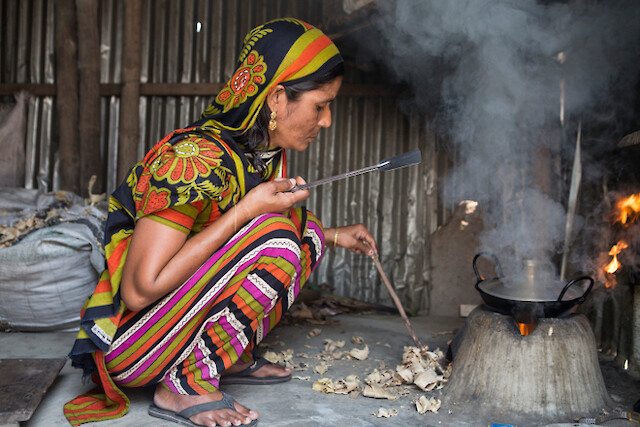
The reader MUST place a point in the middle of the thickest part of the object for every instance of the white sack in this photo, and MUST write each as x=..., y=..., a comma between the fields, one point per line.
x=46, y=276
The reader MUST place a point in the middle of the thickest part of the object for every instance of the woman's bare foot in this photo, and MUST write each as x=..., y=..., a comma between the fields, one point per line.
x=268, y=370
x=165, y=399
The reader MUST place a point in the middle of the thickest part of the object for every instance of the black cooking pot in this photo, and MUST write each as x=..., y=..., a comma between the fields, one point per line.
x=531, y=295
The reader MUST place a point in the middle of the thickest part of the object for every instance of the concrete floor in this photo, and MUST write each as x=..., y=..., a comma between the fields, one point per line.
x=295, y=403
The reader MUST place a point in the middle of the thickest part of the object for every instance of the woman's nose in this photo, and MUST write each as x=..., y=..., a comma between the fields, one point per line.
x=325, y=118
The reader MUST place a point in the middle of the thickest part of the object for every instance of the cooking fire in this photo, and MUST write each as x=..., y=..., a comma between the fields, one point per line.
x=626, y=212
x=628, y=208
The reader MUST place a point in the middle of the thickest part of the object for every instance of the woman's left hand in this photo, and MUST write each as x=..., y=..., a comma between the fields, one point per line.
x=355, y=238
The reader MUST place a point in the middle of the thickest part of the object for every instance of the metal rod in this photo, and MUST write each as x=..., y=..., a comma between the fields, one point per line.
x=409, y=158
x=341, y=176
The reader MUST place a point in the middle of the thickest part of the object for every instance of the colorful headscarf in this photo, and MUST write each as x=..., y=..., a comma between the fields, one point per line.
x=187, y=166
x=283, y=51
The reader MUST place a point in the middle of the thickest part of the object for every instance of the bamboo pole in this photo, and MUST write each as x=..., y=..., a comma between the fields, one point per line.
x=67, y=89
x=89, y=96
x=129, y=131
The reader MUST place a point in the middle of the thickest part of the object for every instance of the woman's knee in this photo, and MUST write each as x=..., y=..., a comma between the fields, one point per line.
x=277, y=226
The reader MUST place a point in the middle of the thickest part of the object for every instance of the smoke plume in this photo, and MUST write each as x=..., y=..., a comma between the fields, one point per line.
x=508, y=81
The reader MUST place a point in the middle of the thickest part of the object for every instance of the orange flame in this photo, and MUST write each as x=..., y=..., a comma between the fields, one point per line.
x=628, y=209
x=614, y=265
x=625, y=211
x=526, y=328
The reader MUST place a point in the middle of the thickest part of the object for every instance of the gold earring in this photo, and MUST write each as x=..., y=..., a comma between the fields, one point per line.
x=272, y=123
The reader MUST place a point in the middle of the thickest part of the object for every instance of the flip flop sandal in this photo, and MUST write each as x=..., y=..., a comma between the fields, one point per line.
x=182, y=417
x=244, y=376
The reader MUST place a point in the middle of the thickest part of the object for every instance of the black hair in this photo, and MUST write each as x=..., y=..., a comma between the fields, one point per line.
x=254, y=139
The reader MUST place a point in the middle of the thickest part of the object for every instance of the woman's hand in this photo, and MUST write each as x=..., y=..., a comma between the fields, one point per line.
x=273, y=197
x=355, y=238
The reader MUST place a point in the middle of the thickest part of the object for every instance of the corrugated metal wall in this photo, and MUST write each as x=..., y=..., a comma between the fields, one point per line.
x=197, y=41
x=400, y=207
x=26, y=56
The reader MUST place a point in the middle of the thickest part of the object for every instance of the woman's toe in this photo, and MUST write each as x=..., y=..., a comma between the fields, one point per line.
x=250, y=414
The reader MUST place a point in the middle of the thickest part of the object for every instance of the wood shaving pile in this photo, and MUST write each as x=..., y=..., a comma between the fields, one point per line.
x=8, y=235
x=342, y=386
x=420, y=367
x=423, y=368
x=360, y=354
x=284, y=358
x=385, y=413
x=315, y=332
x=321, y=368
x=357, y=340
x=332, y=350
x=43, y=217
x=423, y=404
x=378, y=391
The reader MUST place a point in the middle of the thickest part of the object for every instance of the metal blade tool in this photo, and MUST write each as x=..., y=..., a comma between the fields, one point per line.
x=409, y=158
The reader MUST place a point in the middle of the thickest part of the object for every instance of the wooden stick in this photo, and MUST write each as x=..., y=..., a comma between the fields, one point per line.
x=130, y=95
x=396, y=300
x=89, y=95
x=66, y=51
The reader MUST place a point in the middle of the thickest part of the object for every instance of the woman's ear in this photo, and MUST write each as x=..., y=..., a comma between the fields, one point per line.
x=276, y=98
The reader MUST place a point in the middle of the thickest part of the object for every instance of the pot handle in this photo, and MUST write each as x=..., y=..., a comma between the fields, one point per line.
x=488, y=255
x=573, y=282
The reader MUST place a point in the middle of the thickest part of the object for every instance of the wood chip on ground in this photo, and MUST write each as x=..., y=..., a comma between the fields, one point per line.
x=385, y=413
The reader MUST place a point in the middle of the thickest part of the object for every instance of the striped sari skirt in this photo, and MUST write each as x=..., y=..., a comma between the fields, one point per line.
x=217, y=317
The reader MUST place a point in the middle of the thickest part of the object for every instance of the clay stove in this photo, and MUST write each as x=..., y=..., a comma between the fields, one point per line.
x=550, y=375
